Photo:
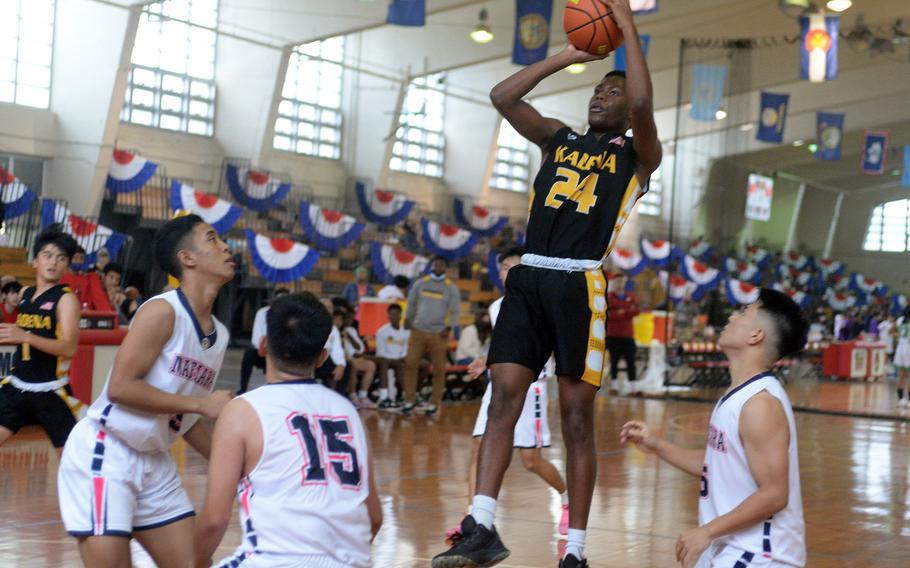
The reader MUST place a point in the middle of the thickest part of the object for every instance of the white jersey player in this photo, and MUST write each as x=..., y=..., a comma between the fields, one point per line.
x=294, y=453
x=117, y=478
x=751, y=512
x=532, y=432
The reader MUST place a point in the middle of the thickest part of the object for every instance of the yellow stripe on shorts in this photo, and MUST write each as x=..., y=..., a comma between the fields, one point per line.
x=597, y=329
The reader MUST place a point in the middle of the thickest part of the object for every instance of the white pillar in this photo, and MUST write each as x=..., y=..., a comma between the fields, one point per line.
x=794, y=218
x=833, y=228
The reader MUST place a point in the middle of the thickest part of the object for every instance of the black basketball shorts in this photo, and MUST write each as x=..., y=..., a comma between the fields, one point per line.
x=552, y=311
x=20, y=408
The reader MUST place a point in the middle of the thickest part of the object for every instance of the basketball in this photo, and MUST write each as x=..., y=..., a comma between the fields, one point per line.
x=590, y=27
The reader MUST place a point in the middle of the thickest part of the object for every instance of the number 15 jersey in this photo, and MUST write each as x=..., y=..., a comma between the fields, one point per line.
x=582, y=195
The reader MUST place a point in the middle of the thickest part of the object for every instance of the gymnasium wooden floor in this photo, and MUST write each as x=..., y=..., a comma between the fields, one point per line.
x=854, y=479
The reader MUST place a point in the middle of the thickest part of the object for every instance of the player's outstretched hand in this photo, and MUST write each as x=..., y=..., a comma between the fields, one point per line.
x=477, y=367
x=640, y=434
x=576, y=55
x=622, y=11
x=690, y=545
x=213, y=403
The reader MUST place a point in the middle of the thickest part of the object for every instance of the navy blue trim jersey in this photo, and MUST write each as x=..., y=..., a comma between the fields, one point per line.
x=38, y=316
x=582, y=195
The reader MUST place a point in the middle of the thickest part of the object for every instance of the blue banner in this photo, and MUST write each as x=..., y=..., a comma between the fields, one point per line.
x=708, y=84
x=407, y=13
x=619, y=59
x=905, y=177
x=875, y=152
x=772, y=117
x=829, y=128
x=818, y=47
x=532, y=31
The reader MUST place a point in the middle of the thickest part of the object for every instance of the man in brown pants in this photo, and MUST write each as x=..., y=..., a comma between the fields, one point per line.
x=433, y=305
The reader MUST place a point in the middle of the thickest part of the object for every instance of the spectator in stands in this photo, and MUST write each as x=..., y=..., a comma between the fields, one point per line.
x=623, y=307
x=9, y=301
x=359, y=288
x=397, y=290
x=841, y=322
x=86, y=285
x=434, y=303
x=252, y=356
x=391, y=349
x=355, y=354
x=332, y=371
x=475, y=339
x=684, y=316
x=4, y=280
x=887, y=330
x=101, y=259
x=124, y=305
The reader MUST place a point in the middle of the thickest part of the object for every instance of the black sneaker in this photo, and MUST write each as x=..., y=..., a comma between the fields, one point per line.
x=571, y=562
x=386, y=404
x=431, y=411
x=478, y=546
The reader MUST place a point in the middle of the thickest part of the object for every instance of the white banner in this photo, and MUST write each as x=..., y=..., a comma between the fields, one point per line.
x=758, y=199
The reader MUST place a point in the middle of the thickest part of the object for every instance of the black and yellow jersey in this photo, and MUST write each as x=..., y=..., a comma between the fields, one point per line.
x=582, y=196
x=38, y=316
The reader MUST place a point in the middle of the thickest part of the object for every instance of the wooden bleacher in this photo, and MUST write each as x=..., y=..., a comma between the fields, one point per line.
x=14, y=262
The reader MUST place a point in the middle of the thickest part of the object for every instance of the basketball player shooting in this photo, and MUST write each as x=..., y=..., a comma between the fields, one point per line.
x=555, y=299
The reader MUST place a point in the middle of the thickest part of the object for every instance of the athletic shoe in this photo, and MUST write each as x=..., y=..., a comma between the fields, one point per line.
x=564, y=521
x=366, y=403
x=431, y=411
x=478, y=546
x=386, y=404
x=408, y=409
x=571, y=562
x=453, y=535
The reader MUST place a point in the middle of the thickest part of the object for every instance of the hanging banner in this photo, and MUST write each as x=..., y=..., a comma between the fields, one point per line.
x=701, y=274
x=258, y=191
x=327, y=229
x=407, y=13
x=532, y=31
x=818, y=47
x=632, y=263
x=741, y=293
x=700, y=249
x=385, y=208
x=657, y=252
x=862, y=285
x=220, y=214
x=619, y=57
x=898, y=304
x=90, y=236
x=447, y=241
x=801, y=298
x=678, y=287
x=830, y=267
x=829, y=132
x=758, y=256
x=839, y=301
x=745, y=271
x=875, y=152
x=772, y=117
x=17, y=197
x=389, y=262
x=708, y=84
x=280, y=260
x=482, y=221
x=129, y=172
x=798, y=261
x=758, y=198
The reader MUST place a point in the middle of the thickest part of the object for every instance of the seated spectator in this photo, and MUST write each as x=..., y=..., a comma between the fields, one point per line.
x=359, y=288
x=475, y=339
x=124, y=305
x=252, y=356
x=86, y=285
x=6, y=279
x=684, y=317
x=331, y=372
x=355, y=354
x=391, y=349
x=397, y=290
x=9, y=301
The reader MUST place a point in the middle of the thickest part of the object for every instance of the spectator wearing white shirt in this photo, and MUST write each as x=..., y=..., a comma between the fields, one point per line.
x=252, y=356
x=354, y=351
x=397, y=290
x=332, y=371
x=475, y=340
x=391, y=349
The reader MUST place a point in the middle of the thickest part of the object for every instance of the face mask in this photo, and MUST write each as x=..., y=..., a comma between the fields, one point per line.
x=438, y=278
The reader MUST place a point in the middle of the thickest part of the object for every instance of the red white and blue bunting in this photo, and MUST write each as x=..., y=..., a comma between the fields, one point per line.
x=839, y=301
x=830, y=267
x=744, y=271
x=129, y=172
x=758, y=256
x=327, y=229
x=701, y=274
x=447, y=241
x=658, y=253
x=257, y=190
x=797, y=261
x=794, y=276
x=866, y=286
x=482, y=221
x=740, y=292
x=17, y=197
x=898, y=304
x=801, y=298
x=90, y=236
x=220, y=214
x=700, y=249
x=385, y=208
x=280, y=260
x=630, y=262
x=678, y=287
x=389, y=262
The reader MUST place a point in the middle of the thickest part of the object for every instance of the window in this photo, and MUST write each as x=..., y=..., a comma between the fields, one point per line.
x=513, y=158
x=889, y=227
x=26, y=49
x=651, y=203
x=419, y=143
x=172, y=78
x=309, y=114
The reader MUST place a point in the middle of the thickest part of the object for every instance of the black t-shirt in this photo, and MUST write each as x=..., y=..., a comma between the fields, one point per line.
x=38, y=316
x=582, y=196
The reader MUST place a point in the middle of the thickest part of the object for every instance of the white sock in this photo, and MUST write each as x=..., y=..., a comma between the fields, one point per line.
x=483, y=509
x=362, y=394
x=576, y=544
x=383, y=394
x=565, y=497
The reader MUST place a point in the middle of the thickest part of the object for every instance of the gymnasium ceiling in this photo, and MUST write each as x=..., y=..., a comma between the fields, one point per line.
x=873, y=91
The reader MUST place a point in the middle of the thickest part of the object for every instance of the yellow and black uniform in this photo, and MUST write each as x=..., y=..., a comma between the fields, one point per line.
x=38, y=384
x=555, y=300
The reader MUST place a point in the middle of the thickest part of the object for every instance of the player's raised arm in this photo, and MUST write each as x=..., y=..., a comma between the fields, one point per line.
x=507, y=95
x=639, y=92
x=687, y=460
